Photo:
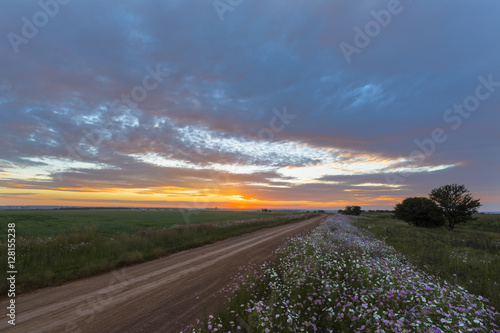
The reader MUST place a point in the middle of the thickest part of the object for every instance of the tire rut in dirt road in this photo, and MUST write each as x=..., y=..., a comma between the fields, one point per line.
x=157, y=296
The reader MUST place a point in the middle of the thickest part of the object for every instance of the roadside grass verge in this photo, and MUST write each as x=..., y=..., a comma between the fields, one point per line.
x=49, y=261
x=340, y=278
x=465, y=257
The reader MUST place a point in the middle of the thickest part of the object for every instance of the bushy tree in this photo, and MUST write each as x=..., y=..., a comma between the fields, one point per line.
x=456, y=203
x=352, y=210
x=419, y=211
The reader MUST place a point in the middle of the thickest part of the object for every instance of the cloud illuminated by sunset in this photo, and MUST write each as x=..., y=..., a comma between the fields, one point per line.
x=165, y=104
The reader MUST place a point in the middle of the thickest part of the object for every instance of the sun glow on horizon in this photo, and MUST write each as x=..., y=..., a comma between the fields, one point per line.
x=57, y=180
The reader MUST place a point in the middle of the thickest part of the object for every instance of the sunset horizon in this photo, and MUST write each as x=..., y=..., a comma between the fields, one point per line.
x=247, y=106
x=250, y=166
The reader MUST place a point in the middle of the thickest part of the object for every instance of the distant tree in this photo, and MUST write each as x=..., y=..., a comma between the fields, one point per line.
x=420, y=212
x=352, y=210
x=356, y=210
x=456, y=203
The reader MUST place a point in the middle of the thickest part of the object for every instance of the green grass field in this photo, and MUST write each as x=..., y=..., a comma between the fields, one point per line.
x=44, y=223
x=57, y=246
x=468, y=256
x=483, y=222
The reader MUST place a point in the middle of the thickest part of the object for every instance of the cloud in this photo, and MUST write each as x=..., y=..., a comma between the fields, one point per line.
x=8, y=194
x=63, y=129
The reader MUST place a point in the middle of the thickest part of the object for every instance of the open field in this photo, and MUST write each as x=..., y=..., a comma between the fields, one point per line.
x=44, y=223
x=156, y=296
x=343, y=276
x=92, y=249
x=483, y=222
x=340, y=278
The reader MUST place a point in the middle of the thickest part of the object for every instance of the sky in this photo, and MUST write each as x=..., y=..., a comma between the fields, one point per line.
x=248, y=104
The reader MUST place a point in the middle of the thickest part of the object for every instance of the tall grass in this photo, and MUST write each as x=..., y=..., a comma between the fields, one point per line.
x=42, y=262
x=483, y=222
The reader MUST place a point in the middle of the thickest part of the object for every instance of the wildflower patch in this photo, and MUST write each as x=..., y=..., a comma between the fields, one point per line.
x=339, y=278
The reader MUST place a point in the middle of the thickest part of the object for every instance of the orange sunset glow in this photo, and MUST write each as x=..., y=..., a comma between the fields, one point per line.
x=278, y=108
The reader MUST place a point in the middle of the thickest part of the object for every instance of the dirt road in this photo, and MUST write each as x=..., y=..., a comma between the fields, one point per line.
x=158, y=296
